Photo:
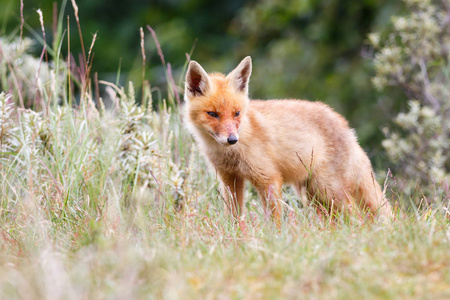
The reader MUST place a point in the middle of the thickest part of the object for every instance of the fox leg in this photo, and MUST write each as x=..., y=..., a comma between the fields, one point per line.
x=270, y=196
x=331, y=196
x=371, y=198
x=233, y=193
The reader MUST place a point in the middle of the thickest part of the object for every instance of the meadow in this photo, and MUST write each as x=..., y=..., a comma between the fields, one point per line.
x=103, y=195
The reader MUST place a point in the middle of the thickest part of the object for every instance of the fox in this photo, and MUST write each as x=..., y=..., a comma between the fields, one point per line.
x=271, y=143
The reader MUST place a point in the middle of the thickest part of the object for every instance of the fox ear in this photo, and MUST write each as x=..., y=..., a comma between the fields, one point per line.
x=240, y=76
x=197, y=80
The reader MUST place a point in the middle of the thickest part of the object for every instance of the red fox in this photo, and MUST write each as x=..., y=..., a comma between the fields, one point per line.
x=275, y=142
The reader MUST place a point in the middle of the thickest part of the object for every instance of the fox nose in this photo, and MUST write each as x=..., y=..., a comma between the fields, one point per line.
x=232, y=139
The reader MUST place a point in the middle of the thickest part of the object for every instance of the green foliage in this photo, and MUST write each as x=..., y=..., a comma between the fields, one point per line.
x=102, y=197
x=413, y=56
x=136, y=142
x=301, y=49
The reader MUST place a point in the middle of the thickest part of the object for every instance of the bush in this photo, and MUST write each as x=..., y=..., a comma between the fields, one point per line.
x=413, y=55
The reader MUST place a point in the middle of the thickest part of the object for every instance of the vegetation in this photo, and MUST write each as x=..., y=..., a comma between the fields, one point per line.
x=414, y=56
x=313, y=49
x=103, y=193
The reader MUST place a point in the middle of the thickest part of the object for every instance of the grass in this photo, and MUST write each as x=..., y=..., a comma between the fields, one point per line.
x=202, y=255
x=116, y=202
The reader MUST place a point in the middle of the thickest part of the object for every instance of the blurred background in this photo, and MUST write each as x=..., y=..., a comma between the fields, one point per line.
x=309, y=49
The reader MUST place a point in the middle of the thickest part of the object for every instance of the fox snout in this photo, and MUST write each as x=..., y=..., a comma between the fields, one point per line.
x=229, y=133
x=226, y=133
x=227, y=139
x=232, y=139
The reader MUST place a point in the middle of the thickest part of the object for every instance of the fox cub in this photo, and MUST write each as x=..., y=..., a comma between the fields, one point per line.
x=275, y=142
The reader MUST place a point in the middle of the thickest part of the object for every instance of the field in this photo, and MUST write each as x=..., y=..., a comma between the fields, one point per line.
x=101, y=205
x=110, y=199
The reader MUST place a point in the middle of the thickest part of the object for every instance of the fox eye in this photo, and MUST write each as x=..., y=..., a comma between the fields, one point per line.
x=212, y=114
x=237, y=114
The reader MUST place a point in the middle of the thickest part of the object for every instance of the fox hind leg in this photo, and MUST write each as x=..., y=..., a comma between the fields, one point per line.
x=371, y=198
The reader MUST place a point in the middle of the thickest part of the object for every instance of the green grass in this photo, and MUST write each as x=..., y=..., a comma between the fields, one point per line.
x=117, y=203
x=82, y=217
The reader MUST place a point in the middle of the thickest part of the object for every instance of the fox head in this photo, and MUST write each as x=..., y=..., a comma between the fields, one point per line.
x=216, y=104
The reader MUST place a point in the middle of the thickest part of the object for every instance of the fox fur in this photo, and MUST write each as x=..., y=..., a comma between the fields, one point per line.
x=275, y=142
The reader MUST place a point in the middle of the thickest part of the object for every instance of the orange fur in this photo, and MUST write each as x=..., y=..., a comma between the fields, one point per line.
x=301, y=143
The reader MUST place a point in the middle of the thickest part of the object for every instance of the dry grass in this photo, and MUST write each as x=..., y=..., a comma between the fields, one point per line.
x=201, y=255
x=116, y=203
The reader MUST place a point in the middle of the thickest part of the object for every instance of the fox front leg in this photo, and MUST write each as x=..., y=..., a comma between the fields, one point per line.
x=233, y=193
x=271, y=199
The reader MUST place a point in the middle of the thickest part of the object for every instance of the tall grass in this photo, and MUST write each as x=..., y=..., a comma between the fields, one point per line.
x=105, y=198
